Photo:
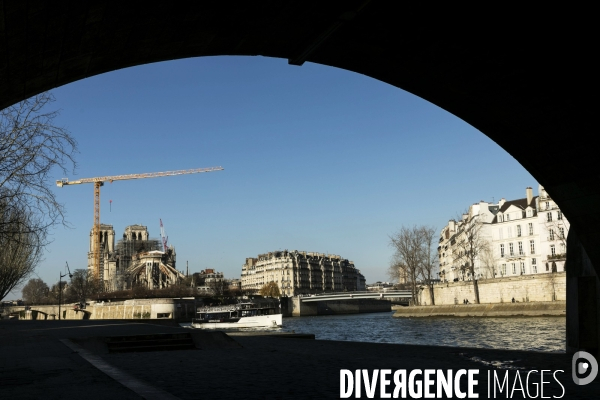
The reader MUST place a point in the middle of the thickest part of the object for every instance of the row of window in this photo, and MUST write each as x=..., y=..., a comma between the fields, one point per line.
x=561, y=233
x=506, y=217
x=519, y=231
x=511, y=249
x=522, y=268
x=558, y=216
x=551, y=232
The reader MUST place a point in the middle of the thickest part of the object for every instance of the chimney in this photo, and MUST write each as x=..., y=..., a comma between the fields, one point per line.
x=529, y=192
x=501, y=202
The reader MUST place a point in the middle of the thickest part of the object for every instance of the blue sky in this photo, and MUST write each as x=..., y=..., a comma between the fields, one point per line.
x=316, y=159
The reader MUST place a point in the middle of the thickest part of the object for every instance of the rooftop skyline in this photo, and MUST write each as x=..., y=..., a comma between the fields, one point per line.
x=316, y=159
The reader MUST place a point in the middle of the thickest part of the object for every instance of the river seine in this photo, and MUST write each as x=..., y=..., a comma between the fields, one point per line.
x=531, y=333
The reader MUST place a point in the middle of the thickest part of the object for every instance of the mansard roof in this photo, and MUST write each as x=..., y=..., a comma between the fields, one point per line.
x=521, y=203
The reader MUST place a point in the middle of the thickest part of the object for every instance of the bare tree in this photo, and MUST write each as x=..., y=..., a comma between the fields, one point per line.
x=20, y=244
x=397, y=271
x=235, y=292
x=408, y=255
x=188, y=281
x=487, y=262
x=428, y=266
x=35, y=291
x=470, y=244
x=31, y=148
x=216, y=285
x=83, y=285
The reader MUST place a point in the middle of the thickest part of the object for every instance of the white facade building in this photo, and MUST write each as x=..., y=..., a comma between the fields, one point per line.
x=529, y=236
x=301, y=272
x=452, y=267
x=524, y=236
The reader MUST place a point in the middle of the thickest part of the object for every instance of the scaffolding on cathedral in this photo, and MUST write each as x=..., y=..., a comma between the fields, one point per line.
x=128, y=249
x=136, y=260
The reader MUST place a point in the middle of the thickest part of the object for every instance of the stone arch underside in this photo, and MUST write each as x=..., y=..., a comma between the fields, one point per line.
x=522, y=78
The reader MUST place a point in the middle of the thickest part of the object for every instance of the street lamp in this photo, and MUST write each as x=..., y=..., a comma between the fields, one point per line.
x=60, y=286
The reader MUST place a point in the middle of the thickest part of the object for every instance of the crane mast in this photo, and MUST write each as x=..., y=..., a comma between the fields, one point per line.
x=99, y=181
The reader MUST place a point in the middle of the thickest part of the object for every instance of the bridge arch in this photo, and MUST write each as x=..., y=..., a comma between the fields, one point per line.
x=517, y=77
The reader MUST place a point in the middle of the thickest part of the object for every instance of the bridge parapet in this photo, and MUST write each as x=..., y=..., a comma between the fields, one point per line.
x=406, y=294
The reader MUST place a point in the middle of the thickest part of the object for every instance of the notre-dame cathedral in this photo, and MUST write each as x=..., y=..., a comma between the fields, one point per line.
x=137, y=260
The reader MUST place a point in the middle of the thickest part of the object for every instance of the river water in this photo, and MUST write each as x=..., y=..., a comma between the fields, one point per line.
x=522, y=333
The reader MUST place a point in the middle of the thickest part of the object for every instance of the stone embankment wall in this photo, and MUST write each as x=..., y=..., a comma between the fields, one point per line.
x=528, y=288
x=538, y=309
x=128, y=309
x=297, y=308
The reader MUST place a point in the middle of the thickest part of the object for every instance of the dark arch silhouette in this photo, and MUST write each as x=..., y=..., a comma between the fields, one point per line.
x=524, y=78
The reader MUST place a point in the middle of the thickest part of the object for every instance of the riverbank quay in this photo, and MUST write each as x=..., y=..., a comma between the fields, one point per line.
x=183, y=309
x=533, y=309
x=36, y=363
x=157, y=308
x=523, y=288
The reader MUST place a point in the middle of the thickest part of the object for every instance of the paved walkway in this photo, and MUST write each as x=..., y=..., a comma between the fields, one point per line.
x=35, y=364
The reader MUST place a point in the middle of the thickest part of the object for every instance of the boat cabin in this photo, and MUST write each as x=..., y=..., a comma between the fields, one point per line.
x=231, y=313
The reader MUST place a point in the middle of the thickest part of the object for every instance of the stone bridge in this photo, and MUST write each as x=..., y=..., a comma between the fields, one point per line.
x=397, y=294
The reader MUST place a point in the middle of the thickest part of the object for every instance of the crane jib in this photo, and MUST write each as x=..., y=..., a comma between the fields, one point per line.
x=99, y=181
x=65, y=181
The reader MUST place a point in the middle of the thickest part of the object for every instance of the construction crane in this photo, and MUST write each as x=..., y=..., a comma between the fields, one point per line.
x=99, y=181
x=163, y=236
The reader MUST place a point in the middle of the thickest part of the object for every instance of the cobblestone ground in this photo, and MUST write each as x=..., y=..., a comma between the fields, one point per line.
x=265, y=367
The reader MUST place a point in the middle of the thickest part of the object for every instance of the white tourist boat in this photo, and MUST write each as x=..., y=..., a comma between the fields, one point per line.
x=242, y=315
